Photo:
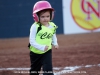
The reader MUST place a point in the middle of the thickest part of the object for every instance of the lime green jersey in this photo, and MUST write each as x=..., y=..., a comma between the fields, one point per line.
x=44, y=36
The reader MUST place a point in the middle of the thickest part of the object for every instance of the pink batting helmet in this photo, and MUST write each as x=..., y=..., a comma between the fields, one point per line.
x=41, y=5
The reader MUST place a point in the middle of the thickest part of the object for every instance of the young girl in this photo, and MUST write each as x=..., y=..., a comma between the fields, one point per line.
x=42, y=37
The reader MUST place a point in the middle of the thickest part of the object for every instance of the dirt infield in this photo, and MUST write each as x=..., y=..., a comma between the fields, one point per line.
x=78, y=50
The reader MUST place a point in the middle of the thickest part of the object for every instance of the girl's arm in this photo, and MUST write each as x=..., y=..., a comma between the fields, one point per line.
x=54, y=40
x=32, y=40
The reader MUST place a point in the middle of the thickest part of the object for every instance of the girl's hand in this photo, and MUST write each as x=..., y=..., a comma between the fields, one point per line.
x=46, y=48
x=56, y=46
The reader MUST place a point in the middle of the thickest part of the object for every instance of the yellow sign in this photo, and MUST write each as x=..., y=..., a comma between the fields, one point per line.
x=86, y=13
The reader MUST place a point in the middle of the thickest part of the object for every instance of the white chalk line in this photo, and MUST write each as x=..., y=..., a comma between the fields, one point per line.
x=59, y=70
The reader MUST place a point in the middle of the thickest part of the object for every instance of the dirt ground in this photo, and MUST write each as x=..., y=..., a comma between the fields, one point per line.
x=75, y=50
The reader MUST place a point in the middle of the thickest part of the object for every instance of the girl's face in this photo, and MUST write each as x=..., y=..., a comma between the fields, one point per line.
x=45, y=18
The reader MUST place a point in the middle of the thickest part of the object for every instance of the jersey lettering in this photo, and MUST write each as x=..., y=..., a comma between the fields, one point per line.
x=45, y=35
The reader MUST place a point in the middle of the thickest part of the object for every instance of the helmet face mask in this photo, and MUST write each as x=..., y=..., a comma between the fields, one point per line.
x=42, y=6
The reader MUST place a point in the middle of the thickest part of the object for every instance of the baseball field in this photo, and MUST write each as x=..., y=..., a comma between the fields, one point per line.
x=79, y=54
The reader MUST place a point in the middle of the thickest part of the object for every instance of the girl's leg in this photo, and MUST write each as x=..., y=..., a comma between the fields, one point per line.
x=47, y=63
x=35, y=63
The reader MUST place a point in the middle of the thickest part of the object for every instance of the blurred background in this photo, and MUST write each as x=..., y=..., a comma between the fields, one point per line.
x=78, y=36
x=16, y=17
x=71, y=16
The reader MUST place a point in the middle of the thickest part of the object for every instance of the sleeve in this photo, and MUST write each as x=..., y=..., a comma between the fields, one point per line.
x=55, y=27
x=32, y=39
x=54, y=40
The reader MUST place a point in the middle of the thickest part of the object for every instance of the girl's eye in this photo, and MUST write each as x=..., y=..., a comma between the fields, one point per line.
x=48, y=16
x=42, y=16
